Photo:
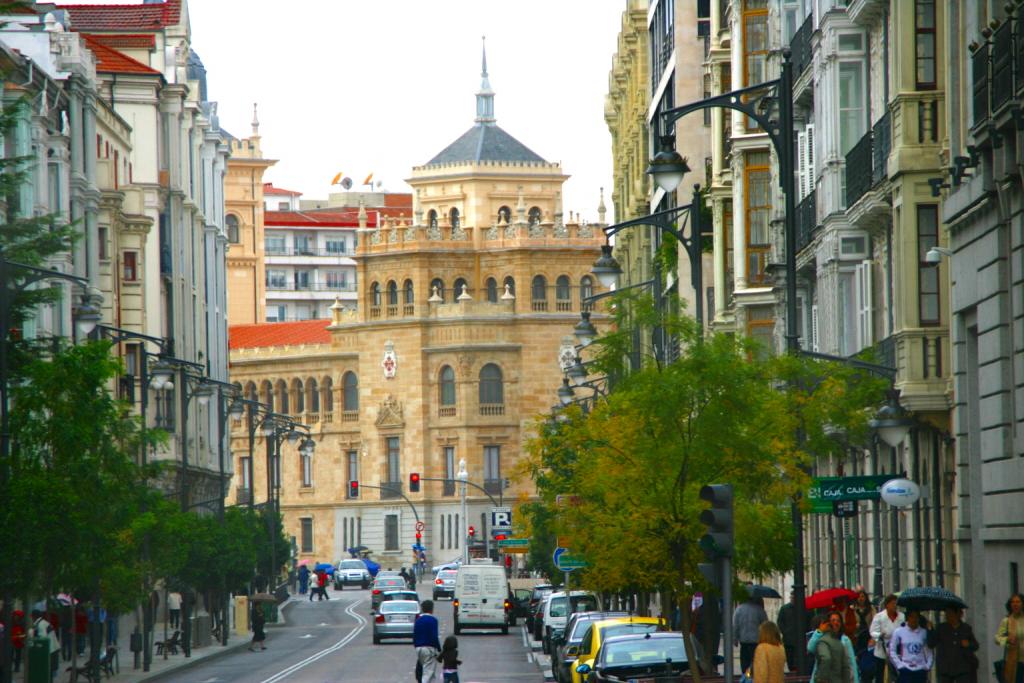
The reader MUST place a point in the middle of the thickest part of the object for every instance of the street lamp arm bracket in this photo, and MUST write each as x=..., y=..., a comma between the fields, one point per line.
x=880, y=370
x=660, y=220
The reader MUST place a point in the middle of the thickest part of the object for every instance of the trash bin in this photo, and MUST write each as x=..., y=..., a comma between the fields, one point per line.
x=39, y=660
x=270, y=612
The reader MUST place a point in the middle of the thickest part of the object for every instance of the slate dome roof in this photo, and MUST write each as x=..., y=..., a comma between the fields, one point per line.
x=485, y=142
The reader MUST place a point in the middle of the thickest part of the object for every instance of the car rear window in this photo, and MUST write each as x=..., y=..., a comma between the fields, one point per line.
x=448, y=573
x=385, y=583
x=638, y=651
x=400, y=606
x=627, y=629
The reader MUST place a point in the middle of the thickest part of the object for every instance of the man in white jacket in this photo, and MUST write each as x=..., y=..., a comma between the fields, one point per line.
x=909, y=650
x=882, y=627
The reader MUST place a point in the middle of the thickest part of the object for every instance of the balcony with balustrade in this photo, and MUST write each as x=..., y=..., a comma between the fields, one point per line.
x=866, y=172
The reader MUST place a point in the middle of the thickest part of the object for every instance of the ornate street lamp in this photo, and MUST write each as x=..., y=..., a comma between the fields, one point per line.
x=161, y=375
x=668, y=167
x=584, y=330
x=577, y=372
x=606, y=268
x=892, y=422
x=565, y=394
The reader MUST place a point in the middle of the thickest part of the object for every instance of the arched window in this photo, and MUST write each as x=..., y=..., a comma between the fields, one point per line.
x=234, y=235
x=328, y=395
x=586, y=289
x=375, y=294
x=447, y=386
x=460, y=285
x=437, y=287
x=312, y=396
x=533, y=217
x=504, y=215
x=491, y=386
x=282, y=397
x=539, y=293
x=432, y=218
x=267, y=394
x=453, y=217
x=392, y=293
x=510, y=285
x=492, y=290
x=563, y=299
x=350, y=392
x=407, y=288
x=300, y=396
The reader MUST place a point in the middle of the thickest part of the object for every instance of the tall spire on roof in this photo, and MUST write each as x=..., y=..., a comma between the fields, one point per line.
x=485, y=96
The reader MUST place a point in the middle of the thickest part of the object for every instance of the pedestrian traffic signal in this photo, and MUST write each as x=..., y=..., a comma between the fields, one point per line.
x=353, y=489
x=717, y=543
x=500, y=537
x=414, y=482
x=419, y=537
x=472, y=532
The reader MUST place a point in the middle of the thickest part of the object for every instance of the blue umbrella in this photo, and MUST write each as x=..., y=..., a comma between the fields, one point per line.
x=371, y=566
x=327, y=567
x=929, y=597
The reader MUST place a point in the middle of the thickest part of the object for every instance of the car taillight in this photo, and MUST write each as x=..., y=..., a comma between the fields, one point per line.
x=508, y=605
x=439, y=582
x=379, y=619
x=376, y=591
x=455, y=603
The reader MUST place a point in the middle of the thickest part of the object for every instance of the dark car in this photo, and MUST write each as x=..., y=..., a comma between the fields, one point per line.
x=536, y=602
x=651, y=657
x=519, y=600
x=561, y=660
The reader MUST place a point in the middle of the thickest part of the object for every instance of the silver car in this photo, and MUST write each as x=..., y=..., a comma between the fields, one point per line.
x=395, y=619
x=444, y=584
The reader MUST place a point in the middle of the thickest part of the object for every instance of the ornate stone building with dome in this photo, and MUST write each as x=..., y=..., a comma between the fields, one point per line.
x=451, y=354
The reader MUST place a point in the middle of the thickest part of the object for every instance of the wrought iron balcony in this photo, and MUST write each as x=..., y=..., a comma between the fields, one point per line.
x=390, y=490
x=800, y=46
x=806, y=220
x=979, y=73
x=448, y=487
x=494, y=486
x=1002, y=65
x=858, y=169
x=885, y=351
x=243, y=496
x=881, y=145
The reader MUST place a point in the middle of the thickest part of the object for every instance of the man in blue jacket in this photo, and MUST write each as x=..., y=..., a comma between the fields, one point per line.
x=426, y=640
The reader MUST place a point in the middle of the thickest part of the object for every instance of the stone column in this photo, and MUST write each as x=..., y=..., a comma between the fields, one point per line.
x=92, y=194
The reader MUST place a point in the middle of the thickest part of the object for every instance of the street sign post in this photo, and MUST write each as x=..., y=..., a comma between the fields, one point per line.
x=420, y=526
x=844, y=508
x=513, y=542
x=501, y=518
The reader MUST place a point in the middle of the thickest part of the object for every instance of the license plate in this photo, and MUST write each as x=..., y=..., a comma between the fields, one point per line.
x=641, y=680
x=400, y=618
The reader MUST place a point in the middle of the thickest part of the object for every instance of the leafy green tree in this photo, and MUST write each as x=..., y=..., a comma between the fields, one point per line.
x=720, y=413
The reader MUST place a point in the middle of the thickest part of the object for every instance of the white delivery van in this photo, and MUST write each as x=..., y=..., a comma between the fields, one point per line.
x=481, y=597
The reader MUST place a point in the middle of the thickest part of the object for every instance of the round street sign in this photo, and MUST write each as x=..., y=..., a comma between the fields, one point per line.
x=900, y=492
x=420, y=526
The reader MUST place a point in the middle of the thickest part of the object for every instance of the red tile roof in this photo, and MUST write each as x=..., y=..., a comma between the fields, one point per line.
x=125, y=40
x=125, y=18
x=268, y=188
x=278, y=334
x=398, y=200
x=109, y=60
x=329, y=218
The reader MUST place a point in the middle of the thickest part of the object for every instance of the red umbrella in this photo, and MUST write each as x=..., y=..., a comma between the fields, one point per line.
x=828, y=597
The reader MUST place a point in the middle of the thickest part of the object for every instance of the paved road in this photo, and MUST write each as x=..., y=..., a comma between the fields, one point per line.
x=328, y=641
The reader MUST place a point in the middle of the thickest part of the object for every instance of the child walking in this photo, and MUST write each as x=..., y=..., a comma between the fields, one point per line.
x=450, y=659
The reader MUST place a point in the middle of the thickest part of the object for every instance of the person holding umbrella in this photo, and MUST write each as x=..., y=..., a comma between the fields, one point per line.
x=954, y=644
x=259, y=621
x=909, y=651
x=1010, y=637
x=303, y=579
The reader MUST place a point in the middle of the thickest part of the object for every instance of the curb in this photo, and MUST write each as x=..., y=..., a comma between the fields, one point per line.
x=193, y=662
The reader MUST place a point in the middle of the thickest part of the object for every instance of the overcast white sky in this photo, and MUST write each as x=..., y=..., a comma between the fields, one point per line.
x=364, y=86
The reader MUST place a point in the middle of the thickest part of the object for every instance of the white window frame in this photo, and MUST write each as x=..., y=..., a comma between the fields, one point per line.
x=865, y=303
x=805, y=161
x=302, y=535
x=306, y=462
x=397, y=545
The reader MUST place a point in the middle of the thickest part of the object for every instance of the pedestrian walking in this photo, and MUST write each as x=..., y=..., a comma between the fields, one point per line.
x=1010, y=637
x=865, y=612
x=426, y=641
x=792, y=631
x=909, y=651
x=846, y=611
x=746, y=620
x=834, y=659
x=954, y=645
x=322, y=580
x=259, y=621
x=174, y=608
x=303, y=579
x=880, y=633
x=17, y=637
x=770, y=656
x=450, y=661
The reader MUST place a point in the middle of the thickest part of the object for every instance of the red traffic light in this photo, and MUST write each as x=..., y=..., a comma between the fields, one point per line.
x=500, y=537
x=472, y=532
x=418, y=536
x=353, y=489
x=414, y=482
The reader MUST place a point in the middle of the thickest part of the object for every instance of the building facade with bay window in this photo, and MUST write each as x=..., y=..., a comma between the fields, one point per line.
x=451, y=354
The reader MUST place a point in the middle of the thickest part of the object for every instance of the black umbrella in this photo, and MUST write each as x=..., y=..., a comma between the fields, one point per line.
x=929, y=597
x=756, y=590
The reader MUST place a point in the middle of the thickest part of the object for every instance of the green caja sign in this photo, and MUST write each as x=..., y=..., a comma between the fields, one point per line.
x=826, y=490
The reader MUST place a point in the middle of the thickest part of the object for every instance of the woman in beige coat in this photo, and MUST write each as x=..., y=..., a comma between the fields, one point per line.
x=769, y=657
x=1010, y=637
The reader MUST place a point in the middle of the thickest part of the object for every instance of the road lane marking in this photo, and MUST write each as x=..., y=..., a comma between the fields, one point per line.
x=284, y=673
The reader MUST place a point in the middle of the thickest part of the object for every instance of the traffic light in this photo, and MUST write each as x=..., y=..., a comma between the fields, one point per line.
x=472, y=532
x=414, y=482
x=353, y=489
x=419, y=537
x=500, y=537
x=717, y=543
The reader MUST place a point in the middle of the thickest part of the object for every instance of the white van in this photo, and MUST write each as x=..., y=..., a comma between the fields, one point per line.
x=481, y=597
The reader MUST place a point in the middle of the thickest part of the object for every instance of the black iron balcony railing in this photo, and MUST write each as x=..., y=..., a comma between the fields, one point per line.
x=881, y=145
x=858, y=170
x=886, y=352
x=979, y=72
x=389, y=490
x=1002, y=65
x=292, y=286
x=1018, y=39
x=494, y=486
x=448, y=487
x=806, y=220
x=800, y=46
